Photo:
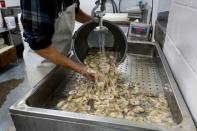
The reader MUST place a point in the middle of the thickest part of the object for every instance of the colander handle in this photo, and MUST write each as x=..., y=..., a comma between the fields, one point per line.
x=74, y=35
x=70, y=54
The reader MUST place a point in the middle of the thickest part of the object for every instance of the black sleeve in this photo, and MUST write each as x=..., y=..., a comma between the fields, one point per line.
x=37, y=24
x=78, y=6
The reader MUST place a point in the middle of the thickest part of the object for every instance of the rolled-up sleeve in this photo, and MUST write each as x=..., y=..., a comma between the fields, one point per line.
x=37, y=24
x=38, y=18
x=38, y=35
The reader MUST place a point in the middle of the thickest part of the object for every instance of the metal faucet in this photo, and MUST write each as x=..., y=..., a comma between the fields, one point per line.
x=98, y=15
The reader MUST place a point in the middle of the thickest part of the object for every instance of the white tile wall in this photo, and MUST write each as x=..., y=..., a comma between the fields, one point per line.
x=164, y=5
x=180, y=49
x=183, y=2
x=186, y=78
x=193, y=3
x=173, y=27
x=195, y=62
x=186, y=40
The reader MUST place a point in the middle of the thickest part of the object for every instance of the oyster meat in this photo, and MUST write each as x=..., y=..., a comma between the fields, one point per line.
x=112, y=95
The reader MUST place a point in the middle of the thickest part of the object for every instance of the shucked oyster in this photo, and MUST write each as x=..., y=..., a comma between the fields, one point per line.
x=113, y=95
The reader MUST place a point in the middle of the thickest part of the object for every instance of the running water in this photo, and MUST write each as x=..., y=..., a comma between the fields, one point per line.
x=101, y=37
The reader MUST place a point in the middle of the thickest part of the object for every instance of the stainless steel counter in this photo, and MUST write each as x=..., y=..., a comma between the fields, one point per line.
x=160, y=27
x=145, y=62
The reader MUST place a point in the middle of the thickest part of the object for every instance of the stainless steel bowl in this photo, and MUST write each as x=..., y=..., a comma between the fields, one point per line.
x=86, y=38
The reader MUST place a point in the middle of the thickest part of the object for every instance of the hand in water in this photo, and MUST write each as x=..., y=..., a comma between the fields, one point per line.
x=89, y=75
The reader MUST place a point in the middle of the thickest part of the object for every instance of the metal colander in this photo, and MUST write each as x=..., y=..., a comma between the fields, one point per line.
x=86, y=38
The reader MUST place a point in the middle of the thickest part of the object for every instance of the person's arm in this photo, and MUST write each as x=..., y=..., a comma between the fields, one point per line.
x=57, y=58
x=82, y=17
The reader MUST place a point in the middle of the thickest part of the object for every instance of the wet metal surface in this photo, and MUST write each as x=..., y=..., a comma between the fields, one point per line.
x=145, y=63
x=13, y=86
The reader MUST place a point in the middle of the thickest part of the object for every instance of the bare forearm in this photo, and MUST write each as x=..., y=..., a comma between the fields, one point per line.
x=57, y=58
x=82, y=16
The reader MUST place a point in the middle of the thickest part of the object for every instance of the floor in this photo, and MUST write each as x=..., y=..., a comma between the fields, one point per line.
x=13, y=85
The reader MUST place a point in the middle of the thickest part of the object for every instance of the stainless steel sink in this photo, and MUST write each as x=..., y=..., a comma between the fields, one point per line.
x=145, y=62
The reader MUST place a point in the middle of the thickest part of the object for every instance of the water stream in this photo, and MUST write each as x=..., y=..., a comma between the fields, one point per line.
x=101, y=36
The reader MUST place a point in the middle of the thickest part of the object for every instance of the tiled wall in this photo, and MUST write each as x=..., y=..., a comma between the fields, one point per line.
x=180, y=49
x=164, y=5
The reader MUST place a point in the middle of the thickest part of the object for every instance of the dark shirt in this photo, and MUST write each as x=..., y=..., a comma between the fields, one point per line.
x=38, y=18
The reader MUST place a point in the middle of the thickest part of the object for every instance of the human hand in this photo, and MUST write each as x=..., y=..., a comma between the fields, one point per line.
x=89, y=74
